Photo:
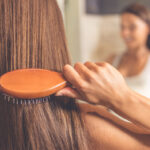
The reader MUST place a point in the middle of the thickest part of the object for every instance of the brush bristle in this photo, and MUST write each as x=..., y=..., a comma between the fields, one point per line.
x=14, y=100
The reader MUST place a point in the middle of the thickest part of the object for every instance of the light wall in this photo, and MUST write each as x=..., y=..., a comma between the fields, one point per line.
x=72, y=24
x=91, y=37
x=100, y=35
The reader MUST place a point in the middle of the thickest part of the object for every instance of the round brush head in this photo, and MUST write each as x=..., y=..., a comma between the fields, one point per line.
x=31, y=83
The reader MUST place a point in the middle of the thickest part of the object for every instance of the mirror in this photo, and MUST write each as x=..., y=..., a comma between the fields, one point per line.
x=97, y=31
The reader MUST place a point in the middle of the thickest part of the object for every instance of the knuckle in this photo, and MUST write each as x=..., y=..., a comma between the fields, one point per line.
x=92, y=77
x=89, y=76
x=105, y=65
x=66, y=67
x=82, y=86
x=87, y=63
x=77, y=65
x=97, y=69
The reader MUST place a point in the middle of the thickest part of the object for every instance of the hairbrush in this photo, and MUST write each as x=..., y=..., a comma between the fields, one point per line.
x=30, y=86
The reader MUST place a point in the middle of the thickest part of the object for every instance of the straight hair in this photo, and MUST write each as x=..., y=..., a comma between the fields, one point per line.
x=32, y=36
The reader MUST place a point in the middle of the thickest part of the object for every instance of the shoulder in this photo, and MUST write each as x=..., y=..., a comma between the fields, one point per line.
x=105, y=134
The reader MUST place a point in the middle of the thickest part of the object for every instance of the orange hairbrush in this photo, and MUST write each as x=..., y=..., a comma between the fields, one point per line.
x=31, y=83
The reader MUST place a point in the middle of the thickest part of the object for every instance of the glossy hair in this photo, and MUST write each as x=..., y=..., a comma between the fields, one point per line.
x=32, y=36
x=143, y=13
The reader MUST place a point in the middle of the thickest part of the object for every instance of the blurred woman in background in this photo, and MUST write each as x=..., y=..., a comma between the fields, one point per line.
x=134, y=63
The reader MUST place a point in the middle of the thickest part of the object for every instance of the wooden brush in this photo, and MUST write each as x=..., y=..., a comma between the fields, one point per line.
x=30, y=85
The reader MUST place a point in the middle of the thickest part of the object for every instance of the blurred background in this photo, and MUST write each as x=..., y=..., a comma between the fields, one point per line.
x=93, y=27
x=96, y=30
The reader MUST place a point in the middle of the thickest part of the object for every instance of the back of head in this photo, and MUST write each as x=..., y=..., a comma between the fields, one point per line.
x=32, y=36
x=142, y=12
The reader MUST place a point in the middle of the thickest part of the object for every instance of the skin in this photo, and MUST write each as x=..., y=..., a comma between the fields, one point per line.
x=101, y=84
x=134, y=32
x=131, y=28
x=106, y=135
x=102, y=112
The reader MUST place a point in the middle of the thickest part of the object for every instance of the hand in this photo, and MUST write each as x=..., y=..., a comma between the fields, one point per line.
x=98, y=83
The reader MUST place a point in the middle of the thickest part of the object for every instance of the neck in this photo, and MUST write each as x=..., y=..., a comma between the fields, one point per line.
x=138, y=51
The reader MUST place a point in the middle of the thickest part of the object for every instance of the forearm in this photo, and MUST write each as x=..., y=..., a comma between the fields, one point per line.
x=125, y=124
x=103, y=112
x=134, y=107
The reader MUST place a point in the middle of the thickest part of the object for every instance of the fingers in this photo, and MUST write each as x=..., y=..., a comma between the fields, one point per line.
x=82, y=70
x=81, y=73
x=69, y=92
x=93, y=82
x=92, y=66
x=72, y=76
x=96, y=66
x=102, y=64
x=78, y=75
x=108, y=67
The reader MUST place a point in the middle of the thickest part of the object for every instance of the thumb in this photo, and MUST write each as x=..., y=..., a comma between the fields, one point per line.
x=69, y=92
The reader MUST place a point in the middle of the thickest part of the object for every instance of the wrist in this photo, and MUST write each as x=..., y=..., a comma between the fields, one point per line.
x=121, y=98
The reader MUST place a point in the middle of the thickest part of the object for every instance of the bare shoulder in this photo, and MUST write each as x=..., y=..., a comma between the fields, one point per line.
x=105, y=135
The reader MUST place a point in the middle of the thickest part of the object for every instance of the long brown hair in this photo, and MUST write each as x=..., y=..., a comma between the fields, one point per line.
x=32, y=36
x=142, y=12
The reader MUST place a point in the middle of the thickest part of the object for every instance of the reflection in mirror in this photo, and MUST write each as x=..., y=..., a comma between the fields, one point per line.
x=134, y=63
x=117, y=33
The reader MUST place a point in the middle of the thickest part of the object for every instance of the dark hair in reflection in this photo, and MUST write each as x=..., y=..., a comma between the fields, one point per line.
x=142, y=12
x=32, y=36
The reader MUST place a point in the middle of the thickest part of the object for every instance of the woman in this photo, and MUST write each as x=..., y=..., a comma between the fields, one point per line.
x=134, y=63
x=32, y=36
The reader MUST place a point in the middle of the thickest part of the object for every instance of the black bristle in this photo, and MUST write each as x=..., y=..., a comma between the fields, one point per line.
x=14, y=100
